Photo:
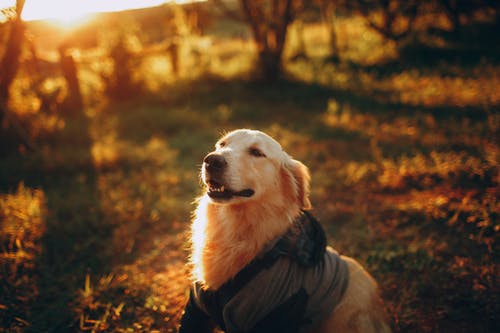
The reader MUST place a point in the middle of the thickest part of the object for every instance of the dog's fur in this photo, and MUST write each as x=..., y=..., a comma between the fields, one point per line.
x=228, y=233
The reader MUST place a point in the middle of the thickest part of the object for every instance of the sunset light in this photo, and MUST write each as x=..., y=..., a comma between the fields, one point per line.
x=110, y=218
x=70, y=13
x=68, y=10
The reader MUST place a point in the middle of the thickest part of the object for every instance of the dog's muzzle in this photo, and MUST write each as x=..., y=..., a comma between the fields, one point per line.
x=215, y=165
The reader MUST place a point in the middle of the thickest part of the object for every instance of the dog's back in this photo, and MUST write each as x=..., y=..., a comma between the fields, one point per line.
x=361, y=309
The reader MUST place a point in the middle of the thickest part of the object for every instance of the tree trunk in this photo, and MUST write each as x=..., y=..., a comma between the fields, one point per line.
x=270, y=65
x=453, y=12
x=10, y=61
x=269, y=23
x=328, y=12
x=73, y=101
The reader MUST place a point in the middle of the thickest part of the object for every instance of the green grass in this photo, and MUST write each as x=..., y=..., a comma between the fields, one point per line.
x=405, y=177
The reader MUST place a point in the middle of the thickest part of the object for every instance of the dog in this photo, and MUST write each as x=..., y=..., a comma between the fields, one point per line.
x=259, y=258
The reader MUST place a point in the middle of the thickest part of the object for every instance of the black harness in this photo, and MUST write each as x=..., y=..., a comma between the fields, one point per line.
x=304, y=243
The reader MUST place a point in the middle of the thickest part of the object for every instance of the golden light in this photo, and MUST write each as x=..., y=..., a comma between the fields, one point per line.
x=71, y=13
x=7, y=3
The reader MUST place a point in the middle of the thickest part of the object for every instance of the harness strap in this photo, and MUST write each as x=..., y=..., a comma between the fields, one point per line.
x=304, y=243
x=215, y=301
x=194, y=320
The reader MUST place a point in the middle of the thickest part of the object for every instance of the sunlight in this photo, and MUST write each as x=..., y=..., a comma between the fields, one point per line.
x=7, y=3
x=71, y=21
x=71, y=13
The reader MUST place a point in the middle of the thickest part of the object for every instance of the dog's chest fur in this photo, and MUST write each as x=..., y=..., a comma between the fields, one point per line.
x=295, y=277
x=226, y=238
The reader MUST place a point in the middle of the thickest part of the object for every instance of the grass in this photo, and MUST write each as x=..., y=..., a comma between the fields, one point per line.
x=404, y=155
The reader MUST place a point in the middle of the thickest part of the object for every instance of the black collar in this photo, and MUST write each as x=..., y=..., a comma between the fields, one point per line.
x=304, y=242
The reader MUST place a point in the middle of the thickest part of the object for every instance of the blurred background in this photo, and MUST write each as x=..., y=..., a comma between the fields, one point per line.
x=107, y=109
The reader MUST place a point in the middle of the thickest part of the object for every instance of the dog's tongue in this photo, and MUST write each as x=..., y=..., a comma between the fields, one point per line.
x=245, y=193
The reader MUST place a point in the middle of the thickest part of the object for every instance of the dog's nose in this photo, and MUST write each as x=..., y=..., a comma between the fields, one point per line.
x=214, y=162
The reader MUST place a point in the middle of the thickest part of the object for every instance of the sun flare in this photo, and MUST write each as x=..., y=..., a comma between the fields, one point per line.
x=66, y=11
x=68, y=14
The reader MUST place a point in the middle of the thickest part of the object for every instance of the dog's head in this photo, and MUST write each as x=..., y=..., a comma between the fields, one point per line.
x=248, y=166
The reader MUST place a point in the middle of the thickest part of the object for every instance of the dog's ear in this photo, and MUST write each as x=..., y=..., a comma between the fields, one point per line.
x=301, y=178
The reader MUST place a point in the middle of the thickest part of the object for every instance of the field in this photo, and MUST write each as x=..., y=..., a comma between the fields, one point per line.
x=403, y=143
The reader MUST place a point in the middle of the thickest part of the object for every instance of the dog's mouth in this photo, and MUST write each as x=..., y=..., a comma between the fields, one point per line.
x=219, y=191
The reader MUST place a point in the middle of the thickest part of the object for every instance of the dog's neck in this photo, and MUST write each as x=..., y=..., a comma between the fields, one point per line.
x=225, y=238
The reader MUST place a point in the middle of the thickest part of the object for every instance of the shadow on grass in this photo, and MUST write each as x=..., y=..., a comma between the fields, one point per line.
x=78, y=256
x=379, y=104
x=215, y=104
x=454, y=264
x=76, y=241
x=476, y=44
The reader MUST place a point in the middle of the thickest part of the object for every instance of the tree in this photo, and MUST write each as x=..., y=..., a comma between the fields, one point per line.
x=10, y=61
x=396, y=18
x=328, y=14
x=74, y=102
x=120, y=83
x=269, y=21
x=9, y=65
x=329, y=9
x=393, y=13
x=455, y=9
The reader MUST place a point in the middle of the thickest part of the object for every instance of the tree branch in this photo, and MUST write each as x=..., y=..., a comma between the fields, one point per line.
x=390, y=13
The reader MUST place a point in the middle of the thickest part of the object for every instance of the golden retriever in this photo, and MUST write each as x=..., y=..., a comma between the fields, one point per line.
x=254, y=193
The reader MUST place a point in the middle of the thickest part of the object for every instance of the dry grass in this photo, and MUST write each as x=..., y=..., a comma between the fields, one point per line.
x=23, y=215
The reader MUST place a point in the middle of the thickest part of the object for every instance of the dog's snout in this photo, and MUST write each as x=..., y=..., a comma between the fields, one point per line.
x=215, y=162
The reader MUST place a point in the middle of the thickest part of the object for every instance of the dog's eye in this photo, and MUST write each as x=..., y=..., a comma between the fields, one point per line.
x=256, y=152
x=222, y=144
